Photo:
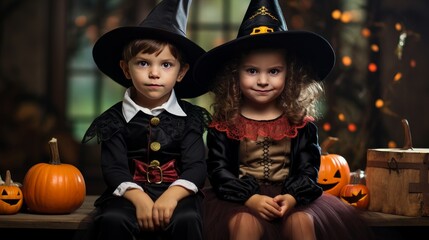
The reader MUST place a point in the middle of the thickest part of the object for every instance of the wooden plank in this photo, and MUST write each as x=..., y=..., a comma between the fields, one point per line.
x=79, y=219
x=82, y=217
x=378, y=219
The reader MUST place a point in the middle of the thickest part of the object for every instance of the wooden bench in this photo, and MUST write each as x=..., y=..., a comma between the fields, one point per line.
x=378, y=219
x=396, y=227
x=82, y=218
x=79, y=219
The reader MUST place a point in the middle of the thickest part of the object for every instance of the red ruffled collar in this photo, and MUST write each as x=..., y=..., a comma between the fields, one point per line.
x=276, y=129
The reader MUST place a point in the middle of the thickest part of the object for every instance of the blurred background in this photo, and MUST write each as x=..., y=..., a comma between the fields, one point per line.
x=50, y=86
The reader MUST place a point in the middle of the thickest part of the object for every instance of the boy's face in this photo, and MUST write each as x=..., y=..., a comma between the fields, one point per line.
x=154, y=76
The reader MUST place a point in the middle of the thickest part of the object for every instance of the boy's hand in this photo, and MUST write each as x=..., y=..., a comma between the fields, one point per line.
x=164, y=206
x=163, y=210
x=144, y=206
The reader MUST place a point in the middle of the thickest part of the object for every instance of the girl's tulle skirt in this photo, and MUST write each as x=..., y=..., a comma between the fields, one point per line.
x=333, y=219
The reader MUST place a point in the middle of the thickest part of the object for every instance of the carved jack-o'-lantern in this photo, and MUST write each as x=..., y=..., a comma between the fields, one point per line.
x=356, y=195
x=11, y=198
x=334, y=171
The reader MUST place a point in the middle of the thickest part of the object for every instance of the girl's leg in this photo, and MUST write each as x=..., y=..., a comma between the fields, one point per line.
x=244, y=226
x=299, y=226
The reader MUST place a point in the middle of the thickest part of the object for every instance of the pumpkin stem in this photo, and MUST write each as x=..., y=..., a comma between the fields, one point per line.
x=8, y=180
x=55, y=156
x=408, y=143
x=327, y=144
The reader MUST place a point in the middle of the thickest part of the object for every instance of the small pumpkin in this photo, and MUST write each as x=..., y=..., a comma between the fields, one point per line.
x=11, y=197
x=356, y=195
x=54, y=187
x=334, y=171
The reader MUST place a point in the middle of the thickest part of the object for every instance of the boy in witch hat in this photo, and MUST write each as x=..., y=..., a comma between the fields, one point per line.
x=263, y=150
x=152, y=148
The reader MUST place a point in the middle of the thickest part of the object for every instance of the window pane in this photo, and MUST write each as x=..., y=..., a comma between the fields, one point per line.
x=79, y=129
x=204, y=101
x=82, y=57
x=212, y=38
x=112, y=93
x=238, y=9
x=210, y=11
x=81, y=90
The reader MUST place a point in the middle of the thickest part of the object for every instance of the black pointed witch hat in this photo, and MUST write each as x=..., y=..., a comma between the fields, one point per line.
x=167, y=21
x=263, y=26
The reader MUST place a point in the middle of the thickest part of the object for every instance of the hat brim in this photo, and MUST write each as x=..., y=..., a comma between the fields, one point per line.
x=310, y=47
x=107, y=53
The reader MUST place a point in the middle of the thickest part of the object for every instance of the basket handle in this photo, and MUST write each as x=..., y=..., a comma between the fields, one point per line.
x=408, y=144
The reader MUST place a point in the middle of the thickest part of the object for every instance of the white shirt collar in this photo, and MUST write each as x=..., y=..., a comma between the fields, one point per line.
x=130, y=108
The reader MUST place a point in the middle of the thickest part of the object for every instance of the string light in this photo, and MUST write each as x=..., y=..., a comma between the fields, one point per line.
x=397, y=77
x=374, y=48
x=327, y=127
x=398, y=27
x=379, y=103
x=336, y=14
x=366, y=32
x=372, y=67
x=391, y=144
x=347, y=61
x=352, y=127
x=346, y=17
x=80, y=21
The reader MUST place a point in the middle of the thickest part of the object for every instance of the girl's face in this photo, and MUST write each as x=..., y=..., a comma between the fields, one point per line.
x=262, y=77
x=154, y=76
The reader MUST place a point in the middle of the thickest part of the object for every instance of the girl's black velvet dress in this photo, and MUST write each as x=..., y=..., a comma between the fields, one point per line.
x=126, y=147
x=232, y=149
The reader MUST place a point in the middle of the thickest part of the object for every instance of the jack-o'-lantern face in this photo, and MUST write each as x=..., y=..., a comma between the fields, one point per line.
x=10, y=195
x=334, y=173
x=11, y=198
x=356, y=195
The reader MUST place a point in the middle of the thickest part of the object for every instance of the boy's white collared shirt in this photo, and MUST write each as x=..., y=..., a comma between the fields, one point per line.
x=129, y=110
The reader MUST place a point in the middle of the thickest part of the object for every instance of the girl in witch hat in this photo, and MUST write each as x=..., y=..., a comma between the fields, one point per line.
x=152, y=148
x=264, y=154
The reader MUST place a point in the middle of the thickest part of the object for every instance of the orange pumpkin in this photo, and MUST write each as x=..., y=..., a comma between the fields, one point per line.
x=356, y=195
x=11, y=198
x=54, y=187
x=334, y=171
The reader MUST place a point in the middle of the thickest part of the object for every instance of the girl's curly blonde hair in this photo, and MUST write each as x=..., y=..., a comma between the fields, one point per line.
x=299, y=99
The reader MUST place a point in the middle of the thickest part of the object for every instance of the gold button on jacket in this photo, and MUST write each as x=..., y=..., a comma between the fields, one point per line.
x=155, y=146
x=154, y=121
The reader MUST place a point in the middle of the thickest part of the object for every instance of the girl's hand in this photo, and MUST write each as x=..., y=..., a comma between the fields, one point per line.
x=286, y=202
x=265, y=206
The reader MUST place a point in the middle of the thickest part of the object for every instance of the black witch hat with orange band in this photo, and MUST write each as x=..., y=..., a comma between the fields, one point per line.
x=167, y=22
x=264, y=26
